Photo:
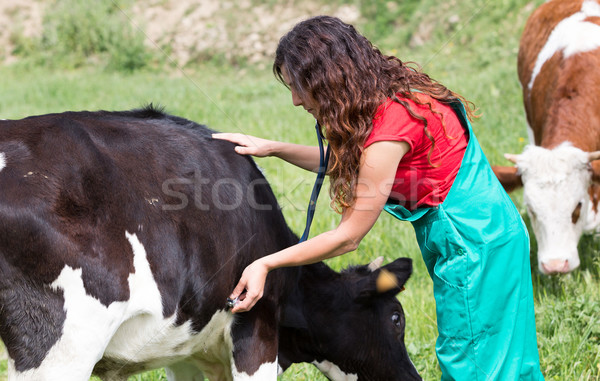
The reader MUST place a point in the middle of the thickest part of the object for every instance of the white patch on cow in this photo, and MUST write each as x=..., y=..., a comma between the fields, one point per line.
x=150, y=338
x=133, y=331
x=554, y=183
x=572, y=35
x=333, y=372
x=143, y=313
x=267, y=371
x=2, y=160
x=530, y=134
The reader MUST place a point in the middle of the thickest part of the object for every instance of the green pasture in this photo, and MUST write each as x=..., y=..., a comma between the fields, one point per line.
x=475, y=56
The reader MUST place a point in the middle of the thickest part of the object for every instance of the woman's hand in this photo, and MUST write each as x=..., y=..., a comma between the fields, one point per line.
x=253, y=281
x=305, y=157
x=247, y=144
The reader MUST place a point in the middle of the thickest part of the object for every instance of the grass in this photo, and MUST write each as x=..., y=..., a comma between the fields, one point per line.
x=475, y=56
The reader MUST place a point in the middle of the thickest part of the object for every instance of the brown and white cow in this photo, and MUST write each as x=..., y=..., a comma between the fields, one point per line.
x=123, y=233
x=559, y=71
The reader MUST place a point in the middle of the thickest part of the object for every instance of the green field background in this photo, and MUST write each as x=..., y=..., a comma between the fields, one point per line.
x=475, y=56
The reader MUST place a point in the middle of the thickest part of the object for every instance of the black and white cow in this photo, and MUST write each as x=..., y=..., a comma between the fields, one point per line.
x=121, y=236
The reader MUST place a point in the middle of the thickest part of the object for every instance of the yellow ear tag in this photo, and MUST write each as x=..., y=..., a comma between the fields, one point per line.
x=386, y=281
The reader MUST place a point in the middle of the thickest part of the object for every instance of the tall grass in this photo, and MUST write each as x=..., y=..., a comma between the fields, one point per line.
x=471, y=48
x=78, y=33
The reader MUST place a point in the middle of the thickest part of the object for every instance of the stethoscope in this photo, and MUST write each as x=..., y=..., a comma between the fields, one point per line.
x=312, y=205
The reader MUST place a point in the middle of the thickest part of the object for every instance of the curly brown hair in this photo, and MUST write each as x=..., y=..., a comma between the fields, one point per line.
x=329, y=61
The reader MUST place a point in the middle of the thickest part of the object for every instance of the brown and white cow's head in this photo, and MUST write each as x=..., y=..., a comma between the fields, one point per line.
x=555, y=192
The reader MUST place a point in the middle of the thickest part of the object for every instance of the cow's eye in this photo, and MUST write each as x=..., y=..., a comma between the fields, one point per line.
x=576, y=213
x=397, y=319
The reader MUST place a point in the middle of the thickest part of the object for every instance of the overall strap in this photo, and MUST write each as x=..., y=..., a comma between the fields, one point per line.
x=461, y=113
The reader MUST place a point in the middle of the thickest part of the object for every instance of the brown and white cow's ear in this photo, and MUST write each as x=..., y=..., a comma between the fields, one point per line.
x=512, y=157
x=508, y=177
x=594, y=156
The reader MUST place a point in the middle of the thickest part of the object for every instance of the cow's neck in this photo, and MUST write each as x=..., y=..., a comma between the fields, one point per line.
x=561, y=129
x=294, y=344
x=568, y=112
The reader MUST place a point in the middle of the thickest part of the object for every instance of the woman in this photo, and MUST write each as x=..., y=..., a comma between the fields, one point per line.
x=402, y=142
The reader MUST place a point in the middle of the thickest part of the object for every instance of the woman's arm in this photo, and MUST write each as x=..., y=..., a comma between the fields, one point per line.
x=376, y=176
x=305, y=157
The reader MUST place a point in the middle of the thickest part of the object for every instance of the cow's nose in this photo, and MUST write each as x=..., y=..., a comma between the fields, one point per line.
x=556, y=266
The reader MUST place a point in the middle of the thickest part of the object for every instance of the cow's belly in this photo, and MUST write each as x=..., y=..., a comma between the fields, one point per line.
x=148, y=342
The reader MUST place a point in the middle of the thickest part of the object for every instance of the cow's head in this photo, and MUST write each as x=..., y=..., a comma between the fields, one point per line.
x=350, y=324
x=555, y=192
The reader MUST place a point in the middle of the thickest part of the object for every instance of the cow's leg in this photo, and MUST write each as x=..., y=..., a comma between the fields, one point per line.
x=254, y=336
x=72, y=358
x=76, y=364
x=85, y=332
x=183, y=372
x=45, y=336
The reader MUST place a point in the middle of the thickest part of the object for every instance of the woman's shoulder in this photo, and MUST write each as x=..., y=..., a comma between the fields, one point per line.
x=405, y=109
x=391, y=109
x=394, y=122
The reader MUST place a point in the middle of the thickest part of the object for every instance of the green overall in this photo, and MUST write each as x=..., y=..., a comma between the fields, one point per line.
x=476, y=249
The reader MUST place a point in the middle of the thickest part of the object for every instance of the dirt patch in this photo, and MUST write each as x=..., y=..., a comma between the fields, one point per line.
x=18, y=18
x=188, y=30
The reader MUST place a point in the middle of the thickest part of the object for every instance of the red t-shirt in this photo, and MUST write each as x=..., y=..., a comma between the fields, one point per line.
x=418, y=183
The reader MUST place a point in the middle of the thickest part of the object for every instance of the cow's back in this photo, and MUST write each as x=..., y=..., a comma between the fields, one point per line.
x=558, y=47
x=537, y=31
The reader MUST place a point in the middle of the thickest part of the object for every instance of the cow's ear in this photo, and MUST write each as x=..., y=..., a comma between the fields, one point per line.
x=389, y=279
x=508, y=177
x=401, y=268
x=593, y=156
